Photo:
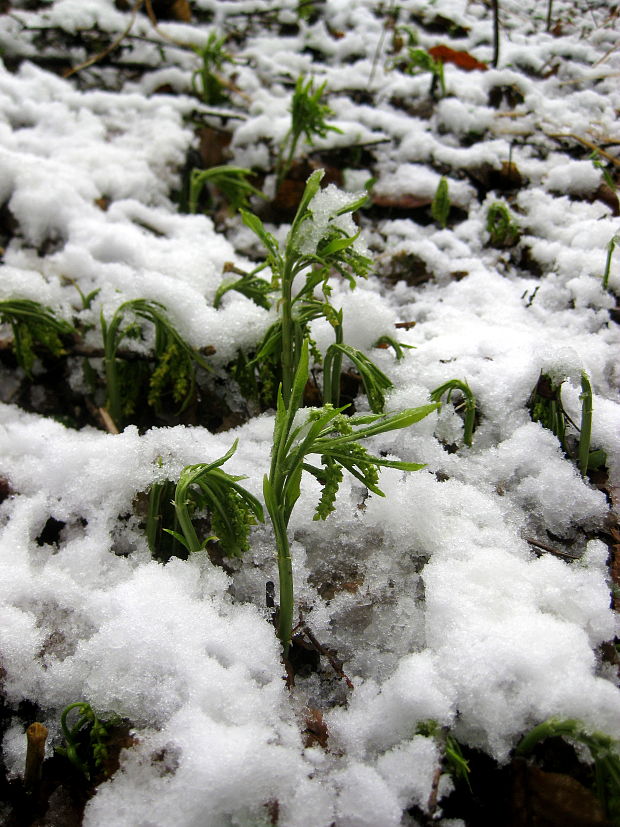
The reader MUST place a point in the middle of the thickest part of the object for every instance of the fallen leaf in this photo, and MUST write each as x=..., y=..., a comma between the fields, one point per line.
x=461, y=59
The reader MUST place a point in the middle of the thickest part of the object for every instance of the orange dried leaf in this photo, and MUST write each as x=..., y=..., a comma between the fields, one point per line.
x=461, y=59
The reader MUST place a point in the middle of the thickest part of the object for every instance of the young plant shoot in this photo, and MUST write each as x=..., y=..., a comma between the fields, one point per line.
x=610, y=251
x=335, y=438
x=604, y=751
x=546, y=407
x=322, y=239
x=308, y=117
x=440, y=208
x=207, y=81
x=419, y=60
x=231, y=181
x=448, y=388
x=233, y=509
x=175, y=372
x=85, y=741
x=502, y=230
x=33, y=324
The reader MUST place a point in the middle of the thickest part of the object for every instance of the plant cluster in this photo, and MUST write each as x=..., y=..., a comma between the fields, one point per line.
x=322, y=240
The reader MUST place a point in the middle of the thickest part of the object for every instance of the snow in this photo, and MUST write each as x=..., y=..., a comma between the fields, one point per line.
x=451, y=615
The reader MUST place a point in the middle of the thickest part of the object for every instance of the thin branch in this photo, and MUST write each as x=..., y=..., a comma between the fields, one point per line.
x=114, y=45
x=544, y=547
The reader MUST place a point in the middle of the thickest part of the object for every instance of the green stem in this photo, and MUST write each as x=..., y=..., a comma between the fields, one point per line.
x=287, y=358
x=114, y=400
x=285, y=575
x=332, y=369
x=185, y=522
x=610, y=252
x=586, y=423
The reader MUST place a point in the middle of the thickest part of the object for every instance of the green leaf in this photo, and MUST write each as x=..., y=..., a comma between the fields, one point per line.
x=256, y=225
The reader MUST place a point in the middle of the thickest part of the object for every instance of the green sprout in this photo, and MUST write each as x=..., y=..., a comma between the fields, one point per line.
x=419, y=60
x=315, y=247
x=249, y=285
x=397, y=347
x=207, y=81
x=598, y=164
x=502, y=230
x=374, y=380
x=308, y=117
x=174, y=374
x=448, y=388
x=335, y=438
x=85, y=741
x=545, y=405
x=161, y=515
x=33, y=324
x=610, y=251
x=453, y=757
x=585, y=431
x=233, y=509
x=605, y=752
x=440, y=208
x=231, y=181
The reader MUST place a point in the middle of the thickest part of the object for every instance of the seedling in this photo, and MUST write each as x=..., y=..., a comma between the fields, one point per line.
x=503, y=231
x=546, y=407
x=308, y=117
x=231, y=181
x=316, y=246
x=453, y=756
x=605, y=752
x=610, y=251
x=419, y=60
x=161, y=516
x=374, y=380
x=85, y=741
x=174, y=374
x=448, y=388
x=249, y=285
x=598, y=164
x=585, y=431
x=207, y=81
x=397, y=347
x=336, y=439
x=233, y=509
x=440, y=208
x=33, y=323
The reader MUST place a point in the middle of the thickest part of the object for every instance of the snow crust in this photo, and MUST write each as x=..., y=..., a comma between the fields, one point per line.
x=451, y=615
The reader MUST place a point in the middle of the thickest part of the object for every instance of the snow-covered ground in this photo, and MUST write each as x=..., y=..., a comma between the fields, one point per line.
x=442, y=610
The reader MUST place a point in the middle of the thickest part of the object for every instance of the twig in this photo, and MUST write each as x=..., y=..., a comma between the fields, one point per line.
x=335, y=664
x=495, y=8
x=544, y=547
x=36, y=735
x=108, y=422
x=115, y=44
x=559, y=136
